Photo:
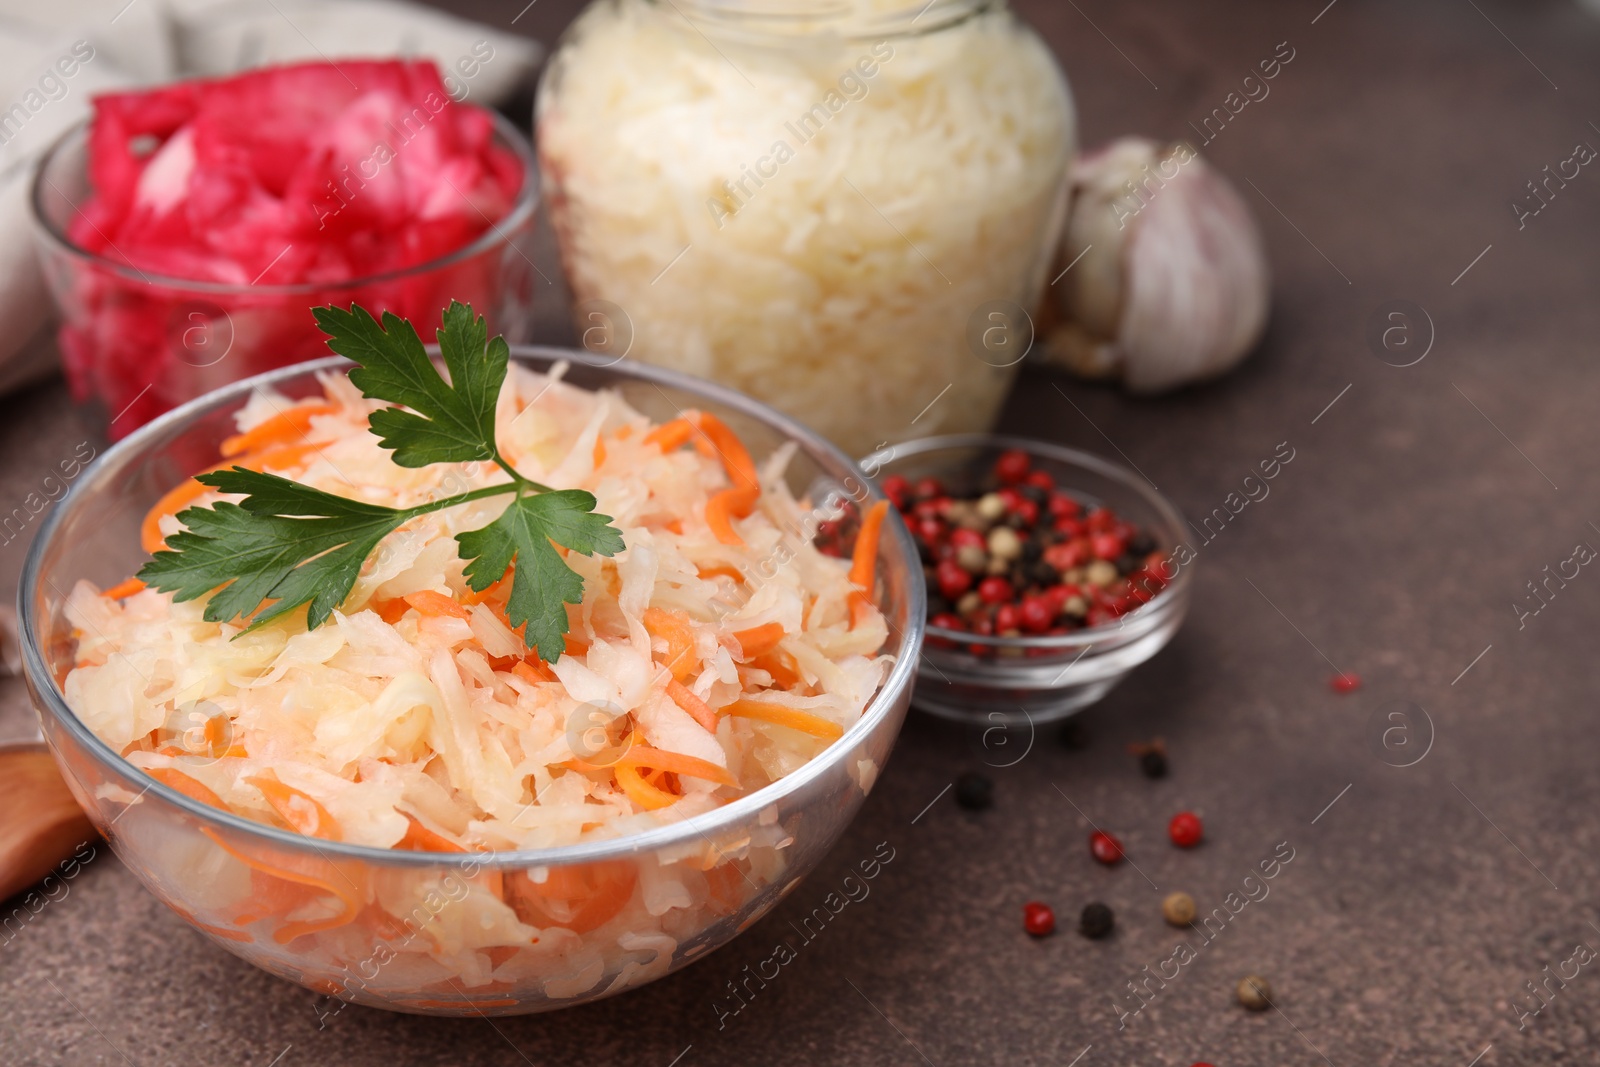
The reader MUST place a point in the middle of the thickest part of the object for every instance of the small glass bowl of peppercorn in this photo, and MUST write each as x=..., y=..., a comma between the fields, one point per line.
x=1051, y=573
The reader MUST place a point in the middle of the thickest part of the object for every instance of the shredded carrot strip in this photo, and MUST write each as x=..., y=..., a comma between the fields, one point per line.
x=170, y=504
x=793, y=718
x=285, y=425
x=864, y=561
x=670, y=436
x=722, y=570
x=300, y=810
x=577, y=898
x=419, y=838
x=723, y=508
x=724, y=444
x=640, y=791
x=599, y=452
x=781, y=666
x=571, y=644
x=429, y=602
x=759, y=639
x=390, y=611
x=125, y=588
x=533, y=672
x=719, y=441
x=347, y=894
x=674, y=628
x=675, y=763
x=176, y=779
x=698, y=709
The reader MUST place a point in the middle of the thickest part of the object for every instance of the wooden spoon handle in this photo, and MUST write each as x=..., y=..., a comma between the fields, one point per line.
x=40, y=823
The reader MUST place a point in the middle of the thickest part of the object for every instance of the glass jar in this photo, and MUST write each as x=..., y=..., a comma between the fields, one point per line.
x=842, y=212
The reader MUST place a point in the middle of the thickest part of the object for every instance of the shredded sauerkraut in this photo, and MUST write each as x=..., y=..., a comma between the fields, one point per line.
x=699, y=667
x=815, y=219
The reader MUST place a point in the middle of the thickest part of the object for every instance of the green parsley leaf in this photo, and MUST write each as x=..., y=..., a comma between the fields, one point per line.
x=294, y=545
x=543, y=584
x=450, y=422
x=249, y=558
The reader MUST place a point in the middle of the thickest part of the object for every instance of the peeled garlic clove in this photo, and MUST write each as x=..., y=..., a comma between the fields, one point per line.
x=1172, y=285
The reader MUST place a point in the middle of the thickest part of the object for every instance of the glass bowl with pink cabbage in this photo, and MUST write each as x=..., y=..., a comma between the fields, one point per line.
x=185, y=230
x=405, y=808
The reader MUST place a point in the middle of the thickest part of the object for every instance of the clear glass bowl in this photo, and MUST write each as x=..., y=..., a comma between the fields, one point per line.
x=1016, y=680
x=137, y=344
x=685, y=888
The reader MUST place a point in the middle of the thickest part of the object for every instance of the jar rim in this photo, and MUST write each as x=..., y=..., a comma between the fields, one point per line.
x=852, y=19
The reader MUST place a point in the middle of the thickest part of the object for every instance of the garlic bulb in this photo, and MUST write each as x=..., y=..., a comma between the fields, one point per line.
x=1168, y=280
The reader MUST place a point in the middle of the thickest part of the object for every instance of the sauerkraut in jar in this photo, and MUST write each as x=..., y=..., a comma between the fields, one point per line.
x=829, y=211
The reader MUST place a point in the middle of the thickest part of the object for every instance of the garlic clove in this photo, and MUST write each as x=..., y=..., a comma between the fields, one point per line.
x=1172, y=285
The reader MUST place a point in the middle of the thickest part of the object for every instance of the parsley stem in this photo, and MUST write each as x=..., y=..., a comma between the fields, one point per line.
x=516, y=475
x=462, y=498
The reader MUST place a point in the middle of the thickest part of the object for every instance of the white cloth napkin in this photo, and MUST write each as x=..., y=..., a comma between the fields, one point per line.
x=111, y=44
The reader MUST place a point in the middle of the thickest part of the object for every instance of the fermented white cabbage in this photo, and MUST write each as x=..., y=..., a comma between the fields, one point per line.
x=816, y=219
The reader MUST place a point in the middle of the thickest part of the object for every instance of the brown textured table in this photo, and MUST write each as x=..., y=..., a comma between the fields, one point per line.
x=1419, y=503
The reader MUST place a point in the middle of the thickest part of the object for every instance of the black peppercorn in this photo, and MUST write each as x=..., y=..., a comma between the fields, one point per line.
x=1096, y=921
x=1031, y=550
x=938, y=605
x=1154, y=763
x=974, y=792
x=1142, y=544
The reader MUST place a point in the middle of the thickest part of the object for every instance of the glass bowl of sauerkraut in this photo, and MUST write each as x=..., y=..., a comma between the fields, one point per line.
x=404, y=808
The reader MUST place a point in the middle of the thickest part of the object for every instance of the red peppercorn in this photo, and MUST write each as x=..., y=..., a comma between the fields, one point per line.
x=1345, y=683
x=931, y=508
x=1185, y=829
x=953, y=580
x=994, y=590
x=927, y=488
x=1105, y=848
x=961, y=537
x=1007, y=617
x=1009, y=498
x=1037, y=613
x=1063, y=506
x=930, y=530
x=1107, y=546
x=1160, y=566
x=1040, y=480
x=1012, y=466
x=1058, y=595
x=947, y=620
x=1071, y=529
x=1099, y=615
x=1038, y=919
x=1100, y=521
x=1027, y=511
x=1067, y=555
x=897, y=487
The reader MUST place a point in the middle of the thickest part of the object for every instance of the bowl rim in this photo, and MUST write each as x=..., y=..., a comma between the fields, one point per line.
x=1089, y=636
x=521, y=213
x=48, y=698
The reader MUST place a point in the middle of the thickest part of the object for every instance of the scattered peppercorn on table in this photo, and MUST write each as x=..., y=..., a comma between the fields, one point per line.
x=1344, y=818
